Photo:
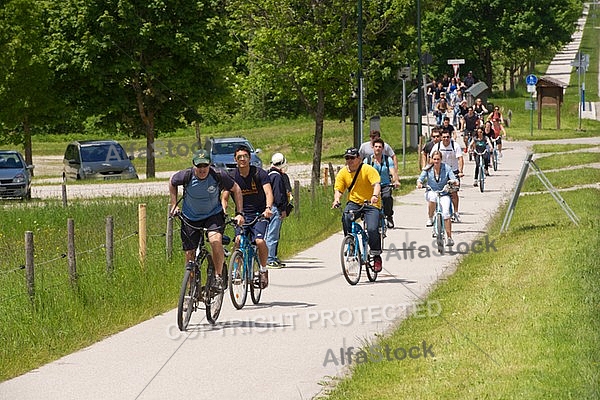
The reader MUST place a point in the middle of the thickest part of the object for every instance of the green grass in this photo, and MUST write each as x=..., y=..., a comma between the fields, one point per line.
x=567, y=159
x=519, y=323
x=552, y=148
x=62, y=319
x=563, y=179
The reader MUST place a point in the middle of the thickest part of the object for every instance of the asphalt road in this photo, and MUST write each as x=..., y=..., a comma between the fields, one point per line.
x=287, y=346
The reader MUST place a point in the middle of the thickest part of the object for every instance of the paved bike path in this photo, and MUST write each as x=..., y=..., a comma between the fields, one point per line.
x=286, y=346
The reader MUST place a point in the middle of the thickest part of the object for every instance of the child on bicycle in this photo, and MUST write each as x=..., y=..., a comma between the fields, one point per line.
x=436, y=178
x=363, y=184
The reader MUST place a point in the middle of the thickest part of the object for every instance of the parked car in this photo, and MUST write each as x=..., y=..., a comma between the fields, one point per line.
x=97, y=159
x=222, y=151
x=15, y=175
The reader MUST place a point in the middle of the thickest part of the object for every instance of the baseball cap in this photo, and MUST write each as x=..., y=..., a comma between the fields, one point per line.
x=278, y=160
x=351, y=152
x=201, y=157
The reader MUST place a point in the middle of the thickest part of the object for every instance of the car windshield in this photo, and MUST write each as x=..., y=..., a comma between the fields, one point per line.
x=10, y=161
x=229, y=147
x=102, y=153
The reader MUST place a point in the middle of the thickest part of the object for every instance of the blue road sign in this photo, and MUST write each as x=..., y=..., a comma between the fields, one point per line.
x=531, y=79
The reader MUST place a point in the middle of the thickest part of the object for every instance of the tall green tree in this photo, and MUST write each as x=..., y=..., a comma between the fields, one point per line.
x=307, y=50
x=27, y=89
x=144, y=66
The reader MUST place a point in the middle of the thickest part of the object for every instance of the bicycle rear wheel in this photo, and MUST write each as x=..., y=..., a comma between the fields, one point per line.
x=371, y=274
x=214, y=296
x=440, y=233
x=495, y=159
x=351, y=259
x=237, y=280
x=188, y=295
x=255, y=289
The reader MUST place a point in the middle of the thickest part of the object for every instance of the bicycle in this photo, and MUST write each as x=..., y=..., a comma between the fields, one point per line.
x=245, y=267
x=481, y=167
x=198, y=284
x=439, y=225
x=354, y=252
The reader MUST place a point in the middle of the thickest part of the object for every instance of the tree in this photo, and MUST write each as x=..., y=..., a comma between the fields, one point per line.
x=144, y=66
x=306, y=49
x=27, y=92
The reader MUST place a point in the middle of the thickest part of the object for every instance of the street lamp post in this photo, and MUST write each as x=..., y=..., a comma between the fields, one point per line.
x=419, y=73
x=360, y=115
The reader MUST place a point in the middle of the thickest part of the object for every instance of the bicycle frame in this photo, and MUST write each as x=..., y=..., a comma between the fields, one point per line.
x=481, y=167
x=439, y=224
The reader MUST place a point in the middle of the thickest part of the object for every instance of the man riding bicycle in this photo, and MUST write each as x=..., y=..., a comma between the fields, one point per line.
x=202, y=208
x=363, y=184
x=258, y=199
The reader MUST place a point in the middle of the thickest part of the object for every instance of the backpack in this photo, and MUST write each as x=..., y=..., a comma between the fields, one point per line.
x=385, y=159
x=439, y=144
x=289, y=207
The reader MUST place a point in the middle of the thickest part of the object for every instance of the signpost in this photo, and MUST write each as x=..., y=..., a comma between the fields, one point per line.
x=404, y=74
x=531, y=81
x=581, y=63
x=455, y=62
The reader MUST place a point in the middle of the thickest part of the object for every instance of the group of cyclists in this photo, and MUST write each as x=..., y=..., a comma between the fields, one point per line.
x=370, y=175
x=259, y=196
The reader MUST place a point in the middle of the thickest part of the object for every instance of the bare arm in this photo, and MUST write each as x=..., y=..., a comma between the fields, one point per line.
x=172, y=198
x=269, y=196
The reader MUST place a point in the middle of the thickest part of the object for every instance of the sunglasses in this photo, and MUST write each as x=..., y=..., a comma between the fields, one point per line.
x=201, y=165
x=435, y=136
x=349, y=158
x=445, y=137
x=242, y=157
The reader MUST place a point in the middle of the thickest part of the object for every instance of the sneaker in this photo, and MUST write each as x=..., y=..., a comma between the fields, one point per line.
x=218, y=283
x=390, y=222
x=274, y=265
x=449, y=242
x=433, y=234
x=280, y=263
x=429, y=222
x=499, y=154
x=456, y=217
x=264, y=279
x=377, y=267
x=487, y=173
x=475, y=184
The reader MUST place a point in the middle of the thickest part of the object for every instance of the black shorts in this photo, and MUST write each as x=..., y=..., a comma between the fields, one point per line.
x=191, y=231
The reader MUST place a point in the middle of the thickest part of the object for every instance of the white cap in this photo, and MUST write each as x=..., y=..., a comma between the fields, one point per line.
x=278, y=160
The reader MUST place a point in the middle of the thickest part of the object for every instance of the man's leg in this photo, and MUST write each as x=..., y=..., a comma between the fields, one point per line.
x=272, y=236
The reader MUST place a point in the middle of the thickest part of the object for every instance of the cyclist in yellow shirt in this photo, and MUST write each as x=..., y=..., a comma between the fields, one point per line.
x=363, y=184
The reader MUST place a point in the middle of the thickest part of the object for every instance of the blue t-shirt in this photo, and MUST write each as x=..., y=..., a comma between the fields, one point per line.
x=202, y=196
x=255, y=200
x=383, y=169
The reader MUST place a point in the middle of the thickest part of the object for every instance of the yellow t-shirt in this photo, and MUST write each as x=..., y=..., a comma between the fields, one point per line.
x=363, y=187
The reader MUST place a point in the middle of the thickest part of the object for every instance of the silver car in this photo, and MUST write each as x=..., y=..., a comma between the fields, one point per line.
x=15, y=175
x=97, y=159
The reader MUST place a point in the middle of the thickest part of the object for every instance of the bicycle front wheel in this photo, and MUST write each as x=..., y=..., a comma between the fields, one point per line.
x=351, y=259
x=214, y=295
x=187, y=298
x=255, y=289
x=237, y=280
x=481, y=176
x=495, y=160
x=440, y=232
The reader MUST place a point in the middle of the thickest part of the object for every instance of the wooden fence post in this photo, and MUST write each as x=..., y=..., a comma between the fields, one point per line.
x=297, y=198
x=64, y=193
x=29, y=271
x=71, y=259
x=325, y=177
x=110, y=248
x=169, y=233
x=142, y=233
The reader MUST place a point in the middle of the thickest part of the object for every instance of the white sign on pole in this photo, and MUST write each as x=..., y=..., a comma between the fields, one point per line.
x=531, y=88
x=456, y=61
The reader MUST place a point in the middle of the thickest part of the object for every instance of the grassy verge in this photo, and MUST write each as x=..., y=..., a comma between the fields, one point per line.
x=521, y=322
